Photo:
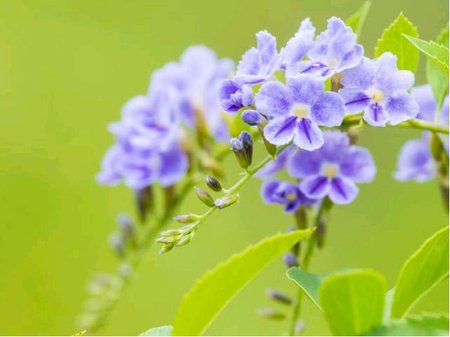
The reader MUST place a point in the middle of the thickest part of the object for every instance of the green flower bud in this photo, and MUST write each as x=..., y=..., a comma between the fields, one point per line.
x=171, y=232
x=204, y=197
x=272, y=314
x=187, y=218
x=226, y=201
x=165, y=248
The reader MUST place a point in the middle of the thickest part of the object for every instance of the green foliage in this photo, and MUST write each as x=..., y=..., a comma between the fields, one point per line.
x=423, y=325
x=357, y=19
x=308, y=282
x=438, y=53
x=393, y=40
x=422, y=271
x=221, y=284
x=435, y=77
x=165, y=330
x=353, y=301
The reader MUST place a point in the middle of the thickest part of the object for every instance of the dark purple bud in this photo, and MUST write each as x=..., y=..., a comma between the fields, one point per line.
x=213, y=184
x=238, y=149
x=204, y=197
x=290, y=260
x=279, y=296
x=247, y=143
x=144, y=201
x=252, y=117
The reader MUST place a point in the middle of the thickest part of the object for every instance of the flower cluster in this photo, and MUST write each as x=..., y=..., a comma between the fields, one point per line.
x=415, y=161
x=151, y=143
x=312, y=83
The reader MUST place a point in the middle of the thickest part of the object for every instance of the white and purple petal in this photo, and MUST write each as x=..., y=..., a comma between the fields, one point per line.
x=280, y=130
x=342, y=190
x=307, y=134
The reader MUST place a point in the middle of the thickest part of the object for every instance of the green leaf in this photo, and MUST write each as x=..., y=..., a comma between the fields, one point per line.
x=308, y=282
x=393, y=41
x=353, y=301
x=438, y=53
x=435, y=77
x=357, y=19
x=165, y=330
x=217, y=288
x=422, y=271
x=423, y=325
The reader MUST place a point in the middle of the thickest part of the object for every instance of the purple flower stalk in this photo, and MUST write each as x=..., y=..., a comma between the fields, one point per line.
x=379, y=89
x=333, y=170
x=334, y=50
x=296, y=111
x=284, y=193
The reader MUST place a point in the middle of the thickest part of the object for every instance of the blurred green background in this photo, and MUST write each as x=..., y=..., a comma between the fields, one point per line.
x=66, y=68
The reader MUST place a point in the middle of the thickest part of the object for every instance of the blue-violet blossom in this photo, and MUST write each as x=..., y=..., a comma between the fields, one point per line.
x=284, y=193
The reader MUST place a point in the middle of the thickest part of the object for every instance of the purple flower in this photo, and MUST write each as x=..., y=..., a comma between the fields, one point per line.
x=284, y=193
x=147, y=149
x=423, y=95
x=333, y=170
x=415, y=161
x=191, y=89
x=334, y=50
x=378, y=88
x=296, y=111
x=275, y=166
x=299, y=45
x=234, y=96
x=260, y=63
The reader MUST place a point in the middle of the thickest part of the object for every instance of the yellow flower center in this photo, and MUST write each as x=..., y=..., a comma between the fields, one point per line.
x=377, y=96
x=291, y=196
x=333, y=62
x=301, y=111
x=330, y=171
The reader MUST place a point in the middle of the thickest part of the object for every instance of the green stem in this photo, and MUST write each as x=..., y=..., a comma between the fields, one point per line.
x=304, y=264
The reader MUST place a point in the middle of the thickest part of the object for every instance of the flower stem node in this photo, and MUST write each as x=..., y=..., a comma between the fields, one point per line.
x=213, y=184
x=226, y=201
x=204, y=197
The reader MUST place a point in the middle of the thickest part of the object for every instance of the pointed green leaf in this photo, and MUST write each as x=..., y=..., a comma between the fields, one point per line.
x=435, y=77
x=353, y=301
x=165, y=330
x=438, y=53
x=308, y=282
x=217, y=288
x=356, y=21
x=423, y=325
x=422, y=271
x=393, y=41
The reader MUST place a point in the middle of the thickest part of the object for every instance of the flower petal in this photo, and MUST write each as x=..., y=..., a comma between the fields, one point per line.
x=298, y=46
x=315, y=187
x=305, y=88
x=328, y=110
x=308, y=136
x=358, y=165
x=280, y=130
x=343, y=190
x=173, y=166
x=376, y=115
x=274, y=99
x=304, y=163
x=415, y=162
x=355, y=100
x=401, y=107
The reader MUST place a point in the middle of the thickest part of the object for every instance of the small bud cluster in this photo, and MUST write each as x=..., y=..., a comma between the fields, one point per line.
x=242, y=148
x=172, y=238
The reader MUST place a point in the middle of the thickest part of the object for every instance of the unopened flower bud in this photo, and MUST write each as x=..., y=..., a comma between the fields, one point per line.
x=299, y=327
x=171, y=232
x=204, y=197
x=226, y=201
x=278, y=296
x=187, y=218
x=252, y=117
x=117, y=244
x=270, y=313
x=125, y=225
x=185, y=240
x=247, y=143
x=213, y=184
x=168, y=239
x=125, y=270
x=144, y=201
x=290, y=260
x=165, y=248
x=238, y=149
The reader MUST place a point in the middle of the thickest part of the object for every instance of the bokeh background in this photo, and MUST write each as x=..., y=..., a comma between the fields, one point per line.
x=67, y=67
